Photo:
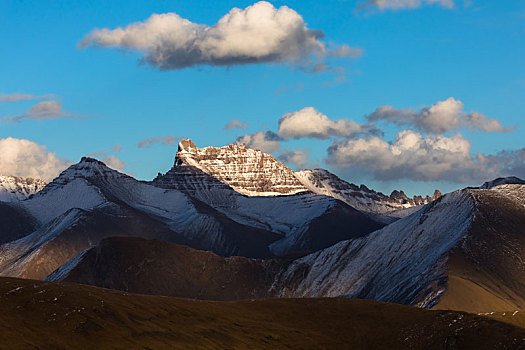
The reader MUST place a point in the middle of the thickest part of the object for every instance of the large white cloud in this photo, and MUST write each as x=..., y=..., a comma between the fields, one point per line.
x=257, y=34
x=435, y=157
x=383, y=5
x=266, y=141
x=441, y=117
x=24, y=158
x=309, y=122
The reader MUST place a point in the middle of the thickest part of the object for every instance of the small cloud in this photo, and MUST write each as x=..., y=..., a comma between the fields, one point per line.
x=383, y=5
x=236, y=124
x=266, y=141
x=310, y=123
x=346, y=51
x=24, y=97
x=298, y=157
x=116, y=148
x=44, y=110
x=164, y=140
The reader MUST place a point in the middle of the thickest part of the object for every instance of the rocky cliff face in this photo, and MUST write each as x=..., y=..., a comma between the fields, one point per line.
x=14, y=188
x=248, y=171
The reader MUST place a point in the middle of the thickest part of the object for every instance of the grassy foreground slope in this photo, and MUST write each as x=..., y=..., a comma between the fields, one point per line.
x=48, y=315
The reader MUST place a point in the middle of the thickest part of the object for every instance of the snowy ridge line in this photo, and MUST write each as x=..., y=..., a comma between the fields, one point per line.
x=394, y=264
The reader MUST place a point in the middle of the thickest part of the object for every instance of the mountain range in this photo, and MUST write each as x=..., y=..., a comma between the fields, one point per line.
x=230, y=223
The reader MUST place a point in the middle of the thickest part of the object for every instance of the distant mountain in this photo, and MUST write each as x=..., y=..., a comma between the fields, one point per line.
x=254, y=173
x=321, y=181
x=14, y=188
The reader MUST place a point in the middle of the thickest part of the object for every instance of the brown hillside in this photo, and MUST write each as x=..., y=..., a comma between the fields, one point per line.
x=46, y=315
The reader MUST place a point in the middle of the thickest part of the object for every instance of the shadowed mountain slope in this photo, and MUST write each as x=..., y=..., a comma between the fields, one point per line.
x=160, y=268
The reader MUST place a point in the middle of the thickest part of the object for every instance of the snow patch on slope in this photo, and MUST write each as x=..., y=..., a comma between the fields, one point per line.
x=53, y=202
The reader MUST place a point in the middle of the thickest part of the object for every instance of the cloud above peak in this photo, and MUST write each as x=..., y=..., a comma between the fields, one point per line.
x=441, y=117
x=309, y=122
x=259, y=33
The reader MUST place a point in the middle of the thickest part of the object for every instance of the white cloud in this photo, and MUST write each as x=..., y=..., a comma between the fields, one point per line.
x=165, y=140
x=23, y=97
x=266, y=141
x=346, y=51
x=412, y=156
x=298, y=157
x=309, y=122
x=236, y=124
x=383, y=5
x=259, y=33
x=26, y=158
x=441, y=117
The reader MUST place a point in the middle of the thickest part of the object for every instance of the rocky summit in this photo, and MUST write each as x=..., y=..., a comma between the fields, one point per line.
x=248, y=171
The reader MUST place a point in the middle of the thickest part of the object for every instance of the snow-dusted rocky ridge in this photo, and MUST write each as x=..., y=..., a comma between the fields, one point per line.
x=321, y=181
x=14, y=188
x=463, y=251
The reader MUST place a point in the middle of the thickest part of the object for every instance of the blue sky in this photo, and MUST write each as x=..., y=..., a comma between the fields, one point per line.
x=412, y=57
